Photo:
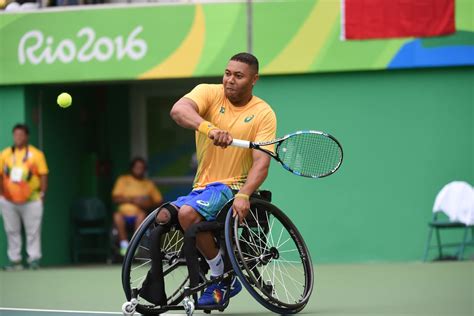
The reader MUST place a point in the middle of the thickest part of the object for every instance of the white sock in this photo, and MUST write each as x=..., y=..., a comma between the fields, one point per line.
x=216, y=265
x=123, y=244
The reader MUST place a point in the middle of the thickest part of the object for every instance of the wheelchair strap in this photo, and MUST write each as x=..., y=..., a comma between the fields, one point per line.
x=153, y=288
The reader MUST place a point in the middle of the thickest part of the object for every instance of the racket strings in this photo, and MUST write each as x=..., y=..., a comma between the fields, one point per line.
x=310, y=154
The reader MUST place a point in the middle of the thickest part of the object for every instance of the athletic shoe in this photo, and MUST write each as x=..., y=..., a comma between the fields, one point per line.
x=215, y=294
x=123, y=247
x=34, y=265
x=13, y=266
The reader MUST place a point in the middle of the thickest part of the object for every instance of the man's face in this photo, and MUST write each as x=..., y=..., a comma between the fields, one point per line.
x=138, y=169
x=238, y=81
x=20, y=138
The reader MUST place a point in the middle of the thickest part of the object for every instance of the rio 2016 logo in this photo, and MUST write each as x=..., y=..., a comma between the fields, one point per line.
x=33, y=48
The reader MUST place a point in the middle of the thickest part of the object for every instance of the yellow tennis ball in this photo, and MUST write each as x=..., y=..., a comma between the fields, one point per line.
x=64, y=100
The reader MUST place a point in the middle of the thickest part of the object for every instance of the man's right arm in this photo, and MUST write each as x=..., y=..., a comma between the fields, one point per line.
x=185, y=114
x=119, y=199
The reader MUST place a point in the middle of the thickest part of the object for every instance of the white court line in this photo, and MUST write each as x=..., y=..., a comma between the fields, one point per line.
x=64, y=311
x=54, y=311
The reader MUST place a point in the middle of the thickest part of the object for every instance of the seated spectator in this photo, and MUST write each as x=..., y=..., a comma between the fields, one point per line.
x=135, y=196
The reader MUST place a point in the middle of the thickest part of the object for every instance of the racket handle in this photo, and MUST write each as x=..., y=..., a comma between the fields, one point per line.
x=240, y=143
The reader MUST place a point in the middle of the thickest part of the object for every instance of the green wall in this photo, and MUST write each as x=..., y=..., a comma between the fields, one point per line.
x=405, y=134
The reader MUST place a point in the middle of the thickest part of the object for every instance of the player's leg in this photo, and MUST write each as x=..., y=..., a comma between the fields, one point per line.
x=140, y=217
x=120, y=224
x=32, y=214
x=12, y=224
x=205, y=205
x=188, y=216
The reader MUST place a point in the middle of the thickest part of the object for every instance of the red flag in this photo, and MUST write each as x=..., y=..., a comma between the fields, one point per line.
x=366, y=19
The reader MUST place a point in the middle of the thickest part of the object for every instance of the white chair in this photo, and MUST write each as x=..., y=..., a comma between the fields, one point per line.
x=456, y=201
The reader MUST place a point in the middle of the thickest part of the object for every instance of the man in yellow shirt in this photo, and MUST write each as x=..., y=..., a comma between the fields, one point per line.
x=23, y=184
x=135, y=196
x=219, y=113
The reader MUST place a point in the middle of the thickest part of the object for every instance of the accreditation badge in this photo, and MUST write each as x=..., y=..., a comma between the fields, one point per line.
x=16, y=174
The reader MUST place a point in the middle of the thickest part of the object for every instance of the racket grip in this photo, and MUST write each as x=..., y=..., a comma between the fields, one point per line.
x=240, y=143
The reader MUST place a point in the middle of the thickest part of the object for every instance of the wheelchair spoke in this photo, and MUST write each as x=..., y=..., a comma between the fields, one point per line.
x=251, y=242
x=286, y=291
x=143, y=247
x=142, y=259
x=288, y=274
x=252, y=246
x=288, y=261
x=258, y=223
x=250, y=255
x=290, y=250
x=270, y=240
x=279, y=237
x=262, y=272
x=141, y=265
x=174, y=245
x=249, y=229
x=140, y=278
x=284, y=286
x=258, y=236
x=291, y=264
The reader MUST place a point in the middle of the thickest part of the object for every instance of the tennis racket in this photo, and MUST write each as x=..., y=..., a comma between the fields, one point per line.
x=309, y=154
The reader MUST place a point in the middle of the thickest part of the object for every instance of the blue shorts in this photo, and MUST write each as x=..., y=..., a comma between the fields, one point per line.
x=130, y=220
x=208, y=201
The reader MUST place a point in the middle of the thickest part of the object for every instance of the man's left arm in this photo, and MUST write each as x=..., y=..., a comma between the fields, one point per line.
x=43, y=185
x=257, y=175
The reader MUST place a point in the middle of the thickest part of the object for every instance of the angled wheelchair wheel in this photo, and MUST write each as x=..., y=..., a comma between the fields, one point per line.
x=270, y=258
x=137, y=263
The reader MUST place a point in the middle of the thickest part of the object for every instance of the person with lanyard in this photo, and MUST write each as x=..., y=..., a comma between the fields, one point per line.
x=23, y=185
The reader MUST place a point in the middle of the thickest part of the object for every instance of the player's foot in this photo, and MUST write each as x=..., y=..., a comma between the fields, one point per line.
x=13, y=266
x=34, y=265
x=123, y=247
x=215, y=294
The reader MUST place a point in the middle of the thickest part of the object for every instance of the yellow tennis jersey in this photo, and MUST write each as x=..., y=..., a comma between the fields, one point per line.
x=255, y=121
x=129, y=186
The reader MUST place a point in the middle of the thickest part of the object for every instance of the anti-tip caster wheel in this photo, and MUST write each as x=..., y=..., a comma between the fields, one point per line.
x=188, y=306
x=128, y=308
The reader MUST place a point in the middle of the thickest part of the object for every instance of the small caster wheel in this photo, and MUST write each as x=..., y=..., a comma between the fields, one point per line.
x=221, y=310
x=188, y=306
x=207, y=311
x=128, y=308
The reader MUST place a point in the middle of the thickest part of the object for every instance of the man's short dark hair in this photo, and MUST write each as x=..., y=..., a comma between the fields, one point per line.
x=23, y=127
x=248, y=59
x=137, y=159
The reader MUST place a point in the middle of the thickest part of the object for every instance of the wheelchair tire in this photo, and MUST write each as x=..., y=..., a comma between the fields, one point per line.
x=279, y=277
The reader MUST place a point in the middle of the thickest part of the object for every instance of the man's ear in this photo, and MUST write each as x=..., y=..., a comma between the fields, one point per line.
x=255, y=79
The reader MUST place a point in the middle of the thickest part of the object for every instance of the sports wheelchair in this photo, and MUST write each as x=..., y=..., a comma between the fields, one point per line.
x=266, y=252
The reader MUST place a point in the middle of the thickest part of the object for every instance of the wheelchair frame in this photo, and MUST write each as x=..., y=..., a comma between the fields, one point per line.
x=236, y=261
